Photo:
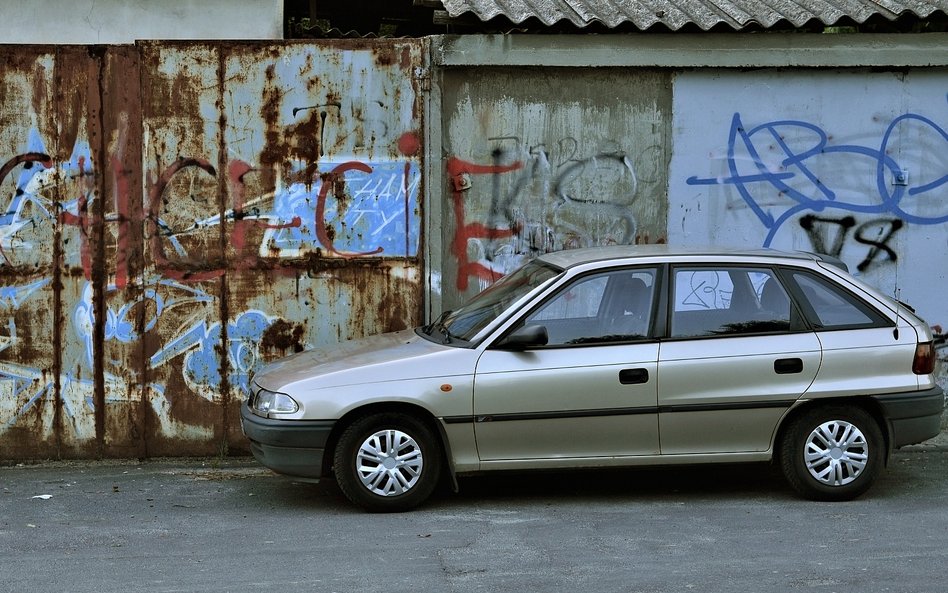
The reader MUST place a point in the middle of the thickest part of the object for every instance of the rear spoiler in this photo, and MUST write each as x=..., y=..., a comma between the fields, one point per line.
x=830, y=260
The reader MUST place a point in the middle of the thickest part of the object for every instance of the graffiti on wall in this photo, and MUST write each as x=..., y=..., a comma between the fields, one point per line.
x=176, y=214
x=381, y=215
x=828, y=235
x=812, y=175
x=867, y=199
x=530, y=199
x=348, y=209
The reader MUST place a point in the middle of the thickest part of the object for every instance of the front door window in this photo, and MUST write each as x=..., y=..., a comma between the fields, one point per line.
x=598, y=309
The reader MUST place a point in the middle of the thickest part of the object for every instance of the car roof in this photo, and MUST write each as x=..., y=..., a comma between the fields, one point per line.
x=574, y=257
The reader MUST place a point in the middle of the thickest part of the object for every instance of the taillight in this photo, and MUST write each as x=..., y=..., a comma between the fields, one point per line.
x=924, y=363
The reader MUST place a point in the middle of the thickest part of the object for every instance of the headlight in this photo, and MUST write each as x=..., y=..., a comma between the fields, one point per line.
x=267, y=402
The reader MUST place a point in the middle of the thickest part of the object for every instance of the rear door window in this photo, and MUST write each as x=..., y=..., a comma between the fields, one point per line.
x=725, y=301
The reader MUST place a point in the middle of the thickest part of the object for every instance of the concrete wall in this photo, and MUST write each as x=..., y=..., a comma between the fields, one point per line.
x=538, y=160
x=848, y=162
x=125, y=21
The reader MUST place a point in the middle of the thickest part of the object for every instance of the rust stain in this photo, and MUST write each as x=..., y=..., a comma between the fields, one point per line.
x=56, y=325
x=384, y=56
x=406, y=63
x=95, y=99
x=227, y=398
x=40, y=100
x=74, y=71
x=174, y=99
x=284, y=336
x=272, y=155
x=315, y=263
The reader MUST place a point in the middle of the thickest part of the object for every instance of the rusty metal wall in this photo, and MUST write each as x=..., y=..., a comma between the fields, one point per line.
x=540, y=159
x=178, y=213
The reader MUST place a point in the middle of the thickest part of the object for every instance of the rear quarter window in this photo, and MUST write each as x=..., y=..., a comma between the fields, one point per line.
x=830, y=306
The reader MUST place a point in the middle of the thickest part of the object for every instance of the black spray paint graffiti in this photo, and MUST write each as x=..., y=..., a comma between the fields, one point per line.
x=569, y=181
x=829, y=235
x=531, y=199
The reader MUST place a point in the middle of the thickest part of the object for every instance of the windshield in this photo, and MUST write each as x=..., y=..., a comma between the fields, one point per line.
x=464, y=323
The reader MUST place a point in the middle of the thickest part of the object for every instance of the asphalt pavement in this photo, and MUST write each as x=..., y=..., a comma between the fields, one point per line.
x=176, y=525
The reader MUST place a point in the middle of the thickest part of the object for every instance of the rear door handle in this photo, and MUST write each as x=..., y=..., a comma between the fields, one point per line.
x=633, y=376
x=788, y=366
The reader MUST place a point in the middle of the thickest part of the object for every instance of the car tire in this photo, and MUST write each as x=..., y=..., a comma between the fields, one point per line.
x=832, y=453
x=388, y=462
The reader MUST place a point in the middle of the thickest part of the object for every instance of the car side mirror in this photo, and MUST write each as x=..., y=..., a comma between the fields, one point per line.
x=528, y=336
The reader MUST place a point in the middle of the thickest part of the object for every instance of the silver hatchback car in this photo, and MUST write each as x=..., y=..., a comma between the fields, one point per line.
x=617, y=356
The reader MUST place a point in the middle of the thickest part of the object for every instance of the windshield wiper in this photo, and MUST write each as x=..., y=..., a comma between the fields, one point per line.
x=439, y=325
x=427, y=329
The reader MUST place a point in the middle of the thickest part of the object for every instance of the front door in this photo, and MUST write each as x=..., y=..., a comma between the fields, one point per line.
x=591, y=392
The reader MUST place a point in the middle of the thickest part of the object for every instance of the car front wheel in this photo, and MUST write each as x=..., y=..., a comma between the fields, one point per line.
x=387, y=462
x=832, y=453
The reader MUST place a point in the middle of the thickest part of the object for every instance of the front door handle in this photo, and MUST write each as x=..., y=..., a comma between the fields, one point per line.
x=633, y=376
x=788, y=366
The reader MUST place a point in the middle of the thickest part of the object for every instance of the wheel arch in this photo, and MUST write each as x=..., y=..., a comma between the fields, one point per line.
x=865, y=403
x=386, y=407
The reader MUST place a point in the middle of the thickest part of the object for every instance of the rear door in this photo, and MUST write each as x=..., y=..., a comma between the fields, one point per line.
x=591, y=392
x=737, y=357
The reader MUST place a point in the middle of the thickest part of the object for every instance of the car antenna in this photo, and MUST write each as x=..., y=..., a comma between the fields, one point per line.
x=898, y=304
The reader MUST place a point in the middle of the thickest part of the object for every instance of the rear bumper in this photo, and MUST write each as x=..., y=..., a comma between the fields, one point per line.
x=913, y=417
x=291, y=447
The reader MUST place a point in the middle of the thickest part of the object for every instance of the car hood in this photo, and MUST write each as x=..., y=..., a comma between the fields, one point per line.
x=385, y=357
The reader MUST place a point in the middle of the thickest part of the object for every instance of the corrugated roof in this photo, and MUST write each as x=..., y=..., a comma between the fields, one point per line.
x=706, y=14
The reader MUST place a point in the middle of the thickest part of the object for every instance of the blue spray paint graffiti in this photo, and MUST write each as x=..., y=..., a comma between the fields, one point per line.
x=794, y=175
x=199, y=343
x=376, y=210
x=377, y=214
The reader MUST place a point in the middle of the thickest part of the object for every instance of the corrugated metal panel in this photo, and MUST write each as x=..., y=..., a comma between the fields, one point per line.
x=284, y=212
x=178, y=213
x=705, y=14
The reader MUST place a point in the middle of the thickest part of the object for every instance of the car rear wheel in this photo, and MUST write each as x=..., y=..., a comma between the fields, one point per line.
x=387, y=462
x=832, y=453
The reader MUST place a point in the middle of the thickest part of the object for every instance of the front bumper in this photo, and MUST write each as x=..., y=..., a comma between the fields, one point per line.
x=913, y=417
x=291, y=447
